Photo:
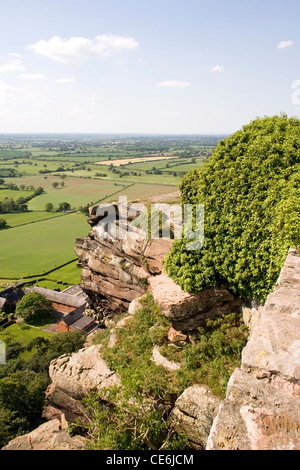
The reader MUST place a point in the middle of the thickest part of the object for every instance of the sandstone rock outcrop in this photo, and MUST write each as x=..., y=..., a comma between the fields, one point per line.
x=73, y=377
x=48, y=436
x=117, y=260
x=194, y=413
x=188, y=311
x=262, y=407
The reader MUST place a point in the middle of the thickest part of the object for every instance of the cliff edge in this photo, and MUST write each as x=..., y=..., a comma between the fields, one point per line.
x=262, y=406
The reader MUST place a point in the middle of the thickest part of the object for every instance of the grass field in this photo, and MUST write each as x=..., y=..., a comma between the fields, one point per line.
x=34, y=249
x=37, y=242
x=12, y=194
x=141, y=191
x=34, y=167
x=22, y=334
x=23, y=218
x=76, y=191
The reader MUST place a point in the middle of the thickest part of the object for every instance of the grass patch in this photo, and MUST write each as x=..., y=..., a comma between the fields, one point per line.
x=35, y=249
x=210, y=358
x=13, y=194
x=23, y=218
x=21, y=334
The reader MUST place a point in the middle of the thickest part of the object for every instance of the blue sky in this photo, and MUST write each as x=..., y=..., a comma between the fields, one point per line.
x=139, y=66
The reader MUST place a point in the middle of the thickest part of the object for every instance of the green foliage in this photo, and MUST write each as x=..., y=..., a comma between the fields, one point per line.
x=215, y=353
x=250, y=191
x=34, y=306
x=129, y=426
x=132, y=423
x=131, y=357
x=64, y=206
x=49, y=207
x=23, y=383
x=2, y=223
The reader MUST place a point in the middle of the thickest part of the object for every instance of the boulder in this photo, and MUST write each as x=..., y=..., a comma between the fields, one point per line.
x=48, y=436
x=160, y=360
x=73, y=377
x=135, y=305
x=176, y=336
x=194, y=413
x=188, y=311
x=259, y=413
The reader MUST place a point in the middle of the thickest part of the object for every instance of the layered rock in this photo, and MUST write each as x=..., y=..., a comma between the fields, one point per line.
x=49, y=436
x=73, y=377
x=188, y=311
x=194, y=413
x=117, y=259
x=262, y=407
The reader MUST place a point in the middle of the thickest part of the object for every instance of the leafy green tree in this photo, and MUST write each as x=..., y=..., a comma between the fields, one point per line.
x=49, y=207
x=64, y=206
x=34, y=306
x=3, y=223
x=250, y=191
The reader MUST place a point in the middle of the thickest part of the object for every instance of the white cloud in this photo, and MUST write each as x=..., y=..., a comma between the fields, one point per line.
x=6, y=68
x=284, y=44
x=78, y=48
x=173, y=84
x=12, y=63
x=32, y=77
x=15, y=54
x=172, y=113
x=9, y=94
x=93, y=99
x=217, y=68
x=65, y=80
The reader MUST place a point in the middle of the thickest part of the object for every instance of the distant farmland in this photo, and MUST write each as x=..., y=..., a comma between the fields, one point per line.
x=33, y=249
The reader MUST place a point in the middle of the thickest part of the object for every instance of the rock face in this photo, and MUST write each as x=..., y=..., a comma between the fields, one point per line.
x=188, y=311
x=73, y=377
x=194, y=413
x=262, y=407
x=48, y=436
x=117, y=260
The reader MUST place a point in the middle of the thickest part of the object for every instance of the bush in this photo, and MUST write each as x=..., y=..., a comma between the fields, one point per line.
x=34, y=306
x=249, y=189
x=2, y=223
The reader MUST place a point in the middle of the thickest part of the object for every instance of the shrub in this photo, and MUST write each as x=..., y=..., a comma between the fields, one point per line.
x=34, y=306
x=250, y=192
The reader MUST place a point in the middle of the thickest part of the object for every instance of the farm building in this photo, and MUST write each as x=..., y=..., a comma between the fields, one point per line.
x=69, y=305
x=9, y=298
x=62, y=302
x=75, y=321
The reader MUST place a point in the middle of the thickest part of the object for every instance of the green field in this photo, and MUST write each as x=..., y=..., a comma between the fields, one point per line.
x=37, y=242
x=23, y=218
x=140, y=191
x=33, y=167
x=22, y=334
x=34, y=249
x=76, y=191
x=12, y=194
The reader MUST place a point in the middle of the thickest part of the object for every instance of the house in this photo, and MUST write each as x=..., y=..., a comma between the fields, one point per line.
x=62, y=302
x=9, y=298
x=69, y=306
x=75, y=321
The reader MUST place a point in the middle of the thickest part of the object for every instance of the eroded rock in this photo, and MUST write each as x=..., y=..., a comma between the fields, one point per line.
x=188, y=311
x=262, y=406
x=194, y=413
x=48, y=436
